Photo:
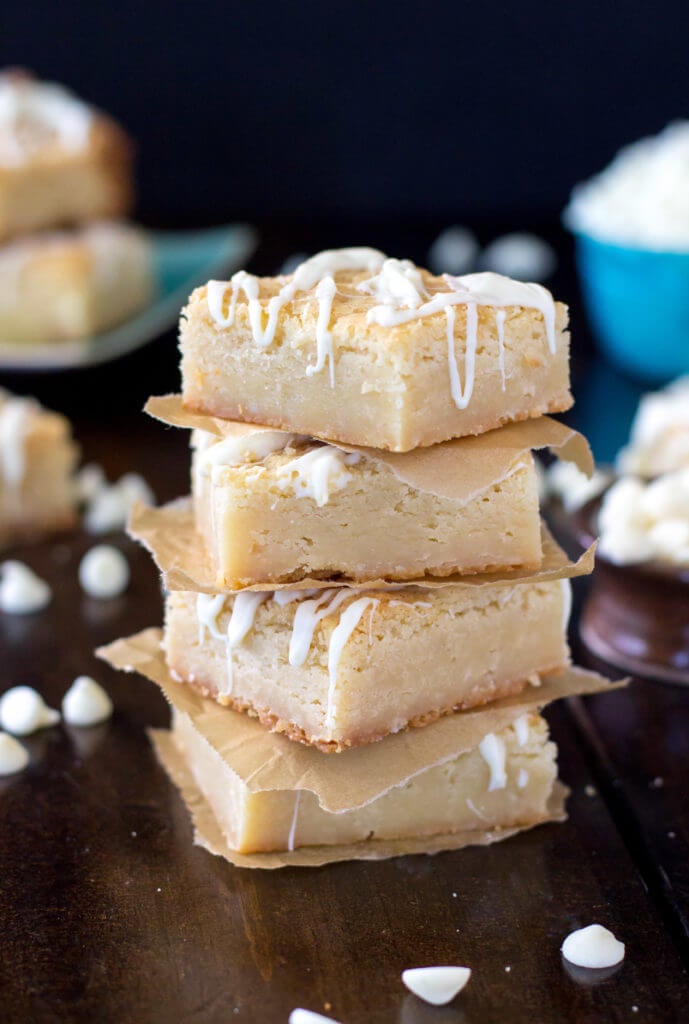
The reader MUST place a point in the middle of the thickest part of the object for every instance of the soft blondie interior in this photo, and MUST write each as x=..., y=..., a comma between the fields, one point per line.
x=314, y=511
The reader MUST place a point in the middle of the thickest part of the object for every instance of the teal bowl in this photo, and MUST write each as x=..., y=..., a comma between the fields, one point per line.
x=638, y=304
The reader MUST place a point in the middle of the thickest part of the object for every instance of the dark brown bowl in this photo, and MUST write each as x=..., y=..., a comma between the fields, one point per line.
x=636, y=616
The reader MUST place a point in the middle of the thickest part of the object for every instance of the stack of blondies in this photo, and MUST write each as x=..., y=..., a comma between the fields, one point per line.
x=364, y=612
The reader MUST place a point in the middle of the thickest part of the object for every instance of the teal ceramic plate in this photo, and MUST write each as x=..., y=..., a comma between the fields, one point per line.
x=183, y=261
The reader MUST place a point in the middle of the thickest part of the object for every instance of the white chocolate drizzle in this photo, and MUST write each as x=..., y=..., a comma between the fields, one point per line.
x=306, y=618
x=492, y=750
x=318, y=473
x=293, y=825
x=318, y=272
x=523, y=778
x=208, y=607
x=349, y=620
x=312, y=607
x=244, y=609
x=238, y=451
x=566, y=586
x=472, y=291
x=399, y=295
x=474, y=810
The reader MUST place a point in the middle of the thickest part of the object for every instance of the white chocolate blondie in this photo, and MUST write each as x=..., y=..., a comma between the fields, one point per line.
x=68, y=286
x=312, y=510
x=343, y=667
x=61, y=161
x=504, y=783
x=37, y=462
x=357, y=348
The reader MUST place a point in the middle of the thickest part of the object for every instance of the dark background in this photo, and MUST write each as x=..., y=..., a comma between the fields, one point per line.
x=342, y=108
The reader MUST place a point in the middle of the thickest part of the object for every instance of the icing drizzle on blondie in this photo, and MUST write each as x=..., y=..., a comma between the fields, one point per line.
x=312, y=606
x=398, y=295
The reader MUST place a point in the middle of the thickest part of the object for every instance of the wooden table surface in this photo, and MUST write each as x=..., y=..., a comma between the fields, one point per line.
x=108, y=913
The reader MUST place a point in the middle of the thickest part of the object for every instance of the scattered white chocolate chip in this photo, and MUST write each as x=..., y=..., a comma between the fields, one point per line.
x=90, y=480
x=521, y=255
x=300, y=1016
x=104, y=572
x=436, y=985
x=23, y=711
x=454, y=251
x=110, y=506
x=86, y=703
x=13, y=756
x=136, y=489
x=21, y=590
x=593, y=946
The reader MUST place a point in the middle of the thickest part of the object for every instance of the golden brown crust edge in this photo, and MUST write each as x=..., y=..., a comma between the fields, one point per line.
x=560, y=403
x=293, y=732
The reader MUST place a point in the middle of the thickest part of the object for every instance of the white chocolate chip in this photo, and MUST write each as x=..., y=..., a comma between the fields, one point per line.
x=593, y=946
x=111, y=505
x=86, y=703
x=104, y=572
x=23, y=711
x=136, y=489
x=521, y=255
x=21, y=590
x=13, y=756
x=300, y=1016
x=436, y=985
x=454, y=251
x=89, y=482
x=107, y=511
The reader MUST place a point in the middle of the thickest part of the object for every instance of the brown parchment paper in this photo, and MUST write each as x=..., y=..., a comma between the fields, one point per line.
x=459, y=469
x=207, y=832
x=341, y=781
x=181, y=555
